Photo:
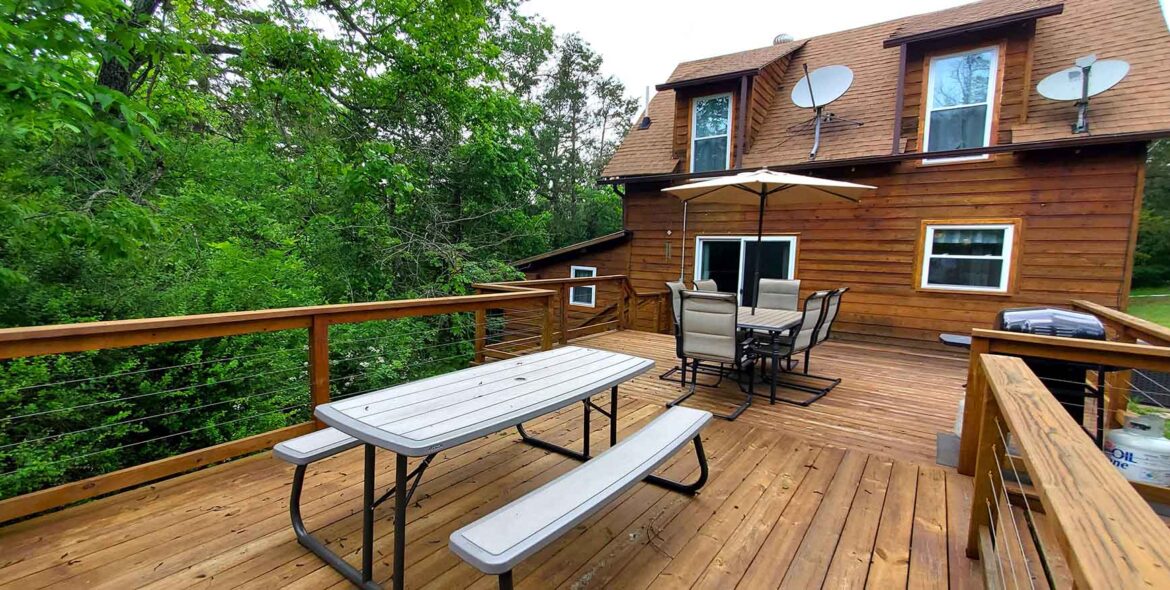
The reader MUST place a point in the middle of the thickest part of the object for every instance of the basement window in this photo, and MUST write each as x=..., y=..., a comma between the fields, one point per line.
x=711, y=133
x=974, y=257
x=583, y=295
x=959, y=108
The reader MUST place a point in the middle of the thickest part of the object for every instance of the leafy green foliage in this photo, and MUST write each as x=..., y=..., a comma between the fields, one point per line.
x=1152, y=259
x=169, y=158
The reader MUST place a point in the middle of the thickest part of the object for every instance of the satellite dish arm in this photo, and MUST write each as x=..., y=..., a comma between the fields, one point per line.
x=812, y=154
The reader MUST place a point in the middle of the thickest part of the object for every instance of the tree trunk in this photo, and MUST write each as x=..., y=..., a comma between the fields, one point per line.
x=116, y=75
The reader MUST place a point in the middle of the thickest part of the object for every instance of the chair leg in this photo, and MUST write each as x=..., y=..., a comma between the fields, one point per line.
x=506, y=580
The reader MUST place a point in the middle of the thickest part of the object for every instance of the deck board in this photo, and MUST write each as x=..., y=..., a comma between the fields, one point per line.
x=841, y=494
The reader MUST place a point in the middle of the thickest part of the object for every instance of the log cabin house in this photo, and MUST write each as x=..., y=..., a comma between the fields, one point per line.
x=943, y=116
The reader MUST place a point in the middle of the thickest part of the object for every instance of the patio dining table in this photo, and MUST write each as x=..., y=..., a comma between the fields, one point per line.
x=775, y=322
x=423, y=418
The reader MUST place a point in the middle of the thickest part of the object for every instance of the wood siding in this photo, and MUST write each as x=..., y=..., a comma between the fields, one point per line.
x=1076, y=210
x=682, y=117
x=764, y=88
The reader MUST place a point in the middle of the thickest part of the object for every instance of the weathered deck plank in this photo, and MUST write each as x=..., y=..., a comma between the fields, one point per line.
x=839, y=495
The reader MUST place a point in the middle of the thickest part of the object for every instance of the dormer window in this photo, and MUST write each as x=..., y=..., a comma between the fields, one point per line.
x=959, y=101
x=711, y=133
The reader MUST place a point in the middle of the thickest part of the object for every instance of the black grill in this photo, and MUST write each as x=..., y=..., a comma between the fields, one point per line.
x=1067, y=381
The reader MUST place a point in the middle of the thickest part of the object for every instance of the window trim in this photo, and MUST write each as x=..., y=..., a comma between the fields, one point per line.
x=792, y=239
x=591, y=288
x=695, y=122
x=994, y=84
x=1008, y=276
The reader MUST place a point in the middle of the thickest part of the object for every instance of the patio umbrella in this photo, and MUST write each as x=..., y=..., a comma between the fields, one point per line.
x=761, y=187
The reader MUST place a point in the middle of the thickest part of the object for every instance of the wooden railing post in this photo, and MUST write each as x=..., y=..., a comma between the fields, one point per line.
x=972, y=406
x=546, y=329
x=564, y=309
x=480, y=334
x=1117, y=384
x=318, y=365
x=623, y=293
x=986, y=448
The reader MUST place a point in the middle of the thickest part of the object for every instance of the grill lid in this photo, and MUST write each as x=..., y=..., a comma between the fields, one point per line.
x=1049, y=321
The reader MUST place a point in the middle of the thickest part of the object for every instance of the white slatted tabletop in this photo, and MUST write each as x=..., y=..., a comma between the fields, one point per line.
x=430, y=415
x=772, y=320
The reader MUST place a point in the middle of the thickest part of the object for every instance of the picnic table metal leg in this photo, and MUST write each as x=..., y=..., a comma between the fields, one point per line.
x=311, y=543
x=400, y=502
x=368, y=517
x=613, y=416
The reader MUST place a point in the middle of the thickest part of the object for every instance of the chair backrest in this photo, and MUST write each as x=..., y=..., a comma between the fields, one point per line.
x=779, y=294
x=675, y=300
x=832, y=307
x=708, y=326
x=706, y=285
x=810, y=321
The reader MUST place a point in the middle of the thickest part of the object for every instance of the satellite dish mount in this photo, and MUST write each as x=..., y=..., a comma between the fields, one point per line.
x=828, y=84
x=1088, y=78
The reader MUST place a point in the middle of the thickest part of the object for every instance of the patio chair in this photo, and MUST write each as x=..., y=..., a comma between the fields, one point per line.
x=706, y=285
x=779, y=294
x=675, y=289
x=799, y=340
x=709, y=334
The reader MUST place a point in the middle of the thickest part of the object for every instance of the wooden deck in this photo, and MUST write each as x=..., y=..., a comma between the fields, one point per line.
x=843, y=494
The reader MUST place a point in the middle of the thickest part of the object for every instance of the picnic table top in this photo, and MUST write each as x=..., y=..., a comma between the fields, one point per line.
x=437, y=413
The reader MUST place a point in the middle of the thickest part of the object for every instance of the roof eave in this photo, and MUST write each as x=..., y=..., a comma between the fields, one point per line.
x=990, y=23
x=1069, y=142
x=572, y=248
x=708, y=79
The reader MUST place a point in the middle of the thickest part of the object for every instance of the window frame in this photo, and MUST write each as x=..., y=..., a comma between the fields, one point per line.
x=793, y=243
x=1010, y=255
x=993, y=87
x=592, y=289
x=695, y=123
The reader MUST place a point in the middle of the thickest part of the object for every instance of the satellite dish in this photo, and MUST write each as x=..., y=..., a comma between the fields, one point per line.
x=1088, y=78
x=817, y=89
x=822, y=86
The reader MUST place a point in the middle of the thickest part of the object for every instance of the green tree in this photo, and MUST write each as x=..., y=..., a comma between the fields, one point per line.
x=1152, y=259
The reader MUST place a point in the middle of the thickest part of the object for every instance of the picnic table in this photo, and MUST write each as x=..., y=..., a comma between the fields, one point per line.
x=423, y=418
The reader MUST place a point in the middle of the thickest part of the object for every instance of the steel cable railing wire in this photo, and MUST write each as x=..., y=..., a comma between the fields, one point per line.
x=302, y=349
x=1000, y=500
x=156, y=439
x=1015, y=525
x=994, y=530
x=1029, y=514
x=9, y=419
x=433, y=346
x=144, y=418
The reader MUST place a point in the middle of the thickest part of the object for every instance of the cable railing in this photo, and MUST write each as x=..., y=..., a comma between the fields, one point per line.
x=1048, y=509
x=88, y=409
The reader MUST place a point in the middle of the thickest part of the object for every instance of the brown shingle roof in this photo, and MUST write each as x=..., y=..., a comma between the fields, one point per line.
x=647, y=151
x=964, y=17
x=1133, y=30
x=744, y=61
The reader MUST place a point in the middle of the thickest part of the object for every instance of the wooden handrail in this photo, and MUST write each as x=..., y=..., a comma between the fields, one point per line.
x=1110, y=536
x=58, y=339
x=63, y=338
x=1092, y=352
x=1129, y=328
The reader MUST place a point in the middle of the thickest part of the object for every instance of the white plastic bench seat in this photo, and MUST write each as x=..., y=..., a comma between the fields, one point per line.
x=500, y=540
x=308, y=448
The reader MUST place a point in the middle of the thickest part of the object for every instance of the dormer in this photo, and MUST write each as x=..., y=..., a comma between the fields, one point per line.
x=720, y=104
x=964, y=80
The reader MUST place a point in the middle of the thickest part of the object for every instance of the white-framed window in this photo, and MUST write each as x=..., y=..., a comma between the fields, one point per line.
x=583, y=295
x=974, y=257
x=711, y=133
x=960, y=97
x=730, y=262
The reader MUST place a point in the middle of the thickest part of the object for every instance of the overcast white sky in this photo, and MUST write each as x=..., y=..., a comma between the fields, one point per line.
x=642, y=40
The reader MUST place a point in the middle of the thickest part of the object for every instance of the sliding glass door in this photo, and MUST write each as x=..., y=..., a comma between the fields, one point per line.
x=730, y=262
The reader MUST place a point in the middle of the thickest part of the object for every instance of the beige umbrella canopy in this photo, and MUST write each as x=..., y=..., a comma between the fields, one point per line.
x=759, y=188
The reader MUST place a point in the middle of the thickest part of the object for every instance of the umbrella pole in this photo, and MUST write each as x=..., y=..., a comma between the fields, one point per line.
x=682, y=262
x=759, y=251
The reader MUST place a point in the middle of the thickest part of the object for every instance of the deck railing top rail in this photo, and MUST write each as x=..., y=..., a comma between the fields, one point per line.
x=1129, y=328
x=1109, y=535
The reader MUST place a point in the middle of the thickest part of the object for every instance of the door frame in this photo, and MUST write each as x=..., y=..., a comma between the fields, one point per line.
x=792, y=239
